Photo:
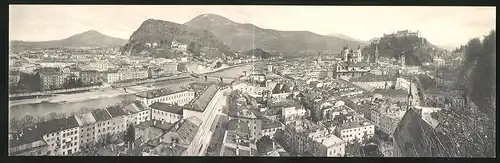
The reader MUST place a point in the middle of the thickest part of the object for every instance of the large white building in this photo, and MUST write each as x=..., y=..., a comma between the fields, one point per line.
x=289, y=114
x=355, y=130
x=111, y=76
x=204, y=107
x=439, y=62
x=133, y=74
x=172, y=96
x=166, y=112
x=330, y=146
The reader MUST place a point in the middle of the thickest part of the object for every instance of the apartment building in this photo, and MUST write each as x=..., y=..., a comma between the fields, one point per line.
x=386, y=120
x=178, y=96
x=53, y=138
x=166, y=112
x=308, y=138
x=435, y=97
x=290, y=114
x=237, y=139
x=329, y=146
x=87, y=134
x=331, y=113
x=252, y=118
x=118, y=120
x=91, y=76
x=270, y=127
x=458, y=101
x=355, y=130
x=133, y=74
x=111, y=76
x=137, y=112
x=182, y=135
x=51, y=80
x=102, y=125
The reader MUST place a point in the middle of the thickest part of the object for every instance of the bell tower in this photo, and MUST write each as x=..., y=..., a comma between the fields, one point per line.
x=359, y=57
x=346, y=53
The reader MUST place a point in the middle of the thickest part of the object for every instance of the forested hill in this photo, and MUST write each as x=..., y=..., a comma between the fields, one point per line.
x=479, y=72
x=417, y=50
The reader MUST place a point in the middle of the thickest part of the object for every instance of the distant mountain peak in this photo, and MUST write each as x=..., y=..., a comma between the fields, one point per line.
x=212, y=18
x=91, y=38
x=92, y=31
x=344, y=36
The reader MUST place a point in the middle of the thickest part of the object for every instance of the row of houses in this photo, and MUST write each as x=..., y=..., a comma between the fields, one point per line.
x=70, y=135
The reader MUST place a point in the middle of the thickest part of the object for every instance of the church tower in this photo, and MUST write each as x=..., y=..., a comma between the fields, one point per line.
x=359, y=57
x=345, y=53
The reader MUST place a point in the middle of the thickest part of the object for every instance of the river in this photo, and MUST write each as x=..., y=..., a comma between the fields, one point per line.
x=44, y=109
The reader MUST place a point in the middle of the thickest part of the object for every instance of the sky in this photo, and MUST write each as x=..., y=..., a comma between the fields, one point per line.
x=444, y=26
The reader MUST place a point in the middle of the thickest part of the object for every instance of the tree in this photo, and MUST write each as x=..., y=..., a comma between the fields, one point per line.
x=480, y=58
x=129, y=134
x=29, y=119
x=194, y=48
x=30, y=82
x=218, y=64
x=52, y=115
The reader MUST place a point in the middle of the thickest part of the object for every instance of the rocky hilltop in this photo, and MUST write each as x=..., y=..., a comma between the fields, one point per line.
x=244, y=37
x=154, y=36
x=416, y=49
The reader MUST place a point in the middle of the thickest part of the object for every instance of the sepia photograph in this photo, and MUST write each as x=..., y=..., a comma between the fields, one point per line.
x=252, y=81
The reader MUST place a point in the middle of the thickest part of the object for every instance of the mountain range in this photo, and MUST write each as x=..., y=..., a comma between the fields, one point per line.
x=90, y=38
x=216, y=36
x=243, y=37
x=346, y=37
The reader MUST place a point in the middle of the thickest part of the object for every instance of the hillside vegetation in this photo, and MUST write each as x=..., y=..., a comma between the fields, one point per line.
x=479, y=72
x=163, y=33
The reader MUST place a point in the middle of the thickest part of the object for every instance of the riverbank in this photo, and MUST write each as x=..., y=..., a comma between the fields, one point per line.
x=113, y=92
